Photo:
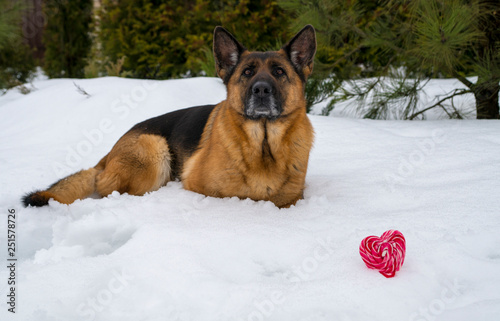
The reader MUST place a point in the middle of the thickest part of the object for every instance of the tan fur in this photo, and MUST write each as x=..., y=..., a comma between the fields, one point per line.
x=235, y=158
x=137, y=164
x=232, y=161
x=77, y=186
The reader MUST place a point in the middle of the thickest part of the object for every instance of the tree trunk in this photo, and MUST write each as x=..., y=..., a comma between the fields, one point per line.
x=487, y=100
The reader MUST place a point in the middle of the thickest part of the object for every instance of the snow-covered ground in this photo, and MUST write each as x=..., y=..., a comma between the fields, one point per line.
x=176, y=255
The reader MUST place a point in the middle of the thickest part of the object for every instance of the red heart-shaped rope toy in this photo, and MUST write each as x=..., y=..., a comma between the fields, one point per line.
x=385, y=254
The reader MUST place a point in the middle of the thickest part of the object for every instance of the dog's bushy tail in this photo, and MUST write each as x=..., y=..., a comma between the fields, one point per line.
x=77, y=186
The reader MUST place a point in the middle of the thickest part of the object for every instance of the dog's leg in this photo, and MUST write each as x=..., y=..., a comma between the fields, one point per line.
x=285, y=199
x=137, y=164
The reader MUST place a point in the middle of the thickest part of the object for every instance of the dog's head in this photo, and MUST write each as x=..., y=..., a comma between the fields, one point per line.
x=268, y=84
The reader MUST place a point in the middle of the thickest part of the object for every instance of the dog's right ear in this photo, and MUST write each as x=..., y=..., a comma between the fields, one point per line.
x=227, y=52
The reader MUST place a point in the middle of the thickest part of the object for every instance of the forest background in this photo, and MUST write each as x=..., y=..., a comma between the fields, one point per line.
x=379, y=54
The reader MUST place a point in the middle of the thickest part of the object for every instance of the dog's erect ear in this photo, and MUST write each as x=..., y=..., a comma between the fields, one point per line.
x=227, y=52
x=301, y=50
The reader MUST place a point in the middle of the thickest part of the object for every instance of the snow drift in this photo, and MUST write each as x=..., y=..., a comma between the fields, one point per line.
x=177, y=255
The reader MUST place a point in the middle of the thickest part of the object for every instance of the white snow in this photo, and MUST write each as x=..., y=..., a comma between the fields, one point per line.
x=177, y=255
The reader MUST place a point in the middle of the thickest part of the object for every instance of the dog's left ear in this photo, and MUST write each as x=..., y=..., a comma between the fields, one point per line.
x=227, y=52
x=301, y=50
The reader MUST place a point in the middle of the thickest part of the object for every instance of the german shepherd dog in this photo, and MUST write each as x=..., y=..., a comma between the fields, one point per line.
x=255, y=144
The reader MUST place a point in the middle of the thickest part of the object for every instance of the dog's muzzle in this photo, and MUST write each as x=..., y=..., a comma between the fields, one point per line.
x=261, y=101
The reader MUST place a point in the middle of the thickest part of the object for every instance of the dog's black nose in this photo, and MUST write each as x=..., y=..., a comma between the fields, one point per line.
x=262, y=89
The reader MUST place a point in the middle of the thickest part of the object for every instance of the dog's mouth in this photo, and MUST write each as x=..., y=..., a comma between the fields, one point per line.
x=258, y=108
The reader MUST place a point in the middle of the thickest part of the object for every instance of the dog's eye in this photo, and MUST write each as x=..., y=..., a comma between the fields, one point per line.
x=278, y=71
x=248, y=72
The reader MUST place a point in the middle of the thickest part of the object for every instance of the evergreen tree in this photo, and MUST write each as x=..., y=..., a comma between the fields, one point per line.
x=165, y=38
x=67, y=37
x=16, y=61
x=401, y=44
